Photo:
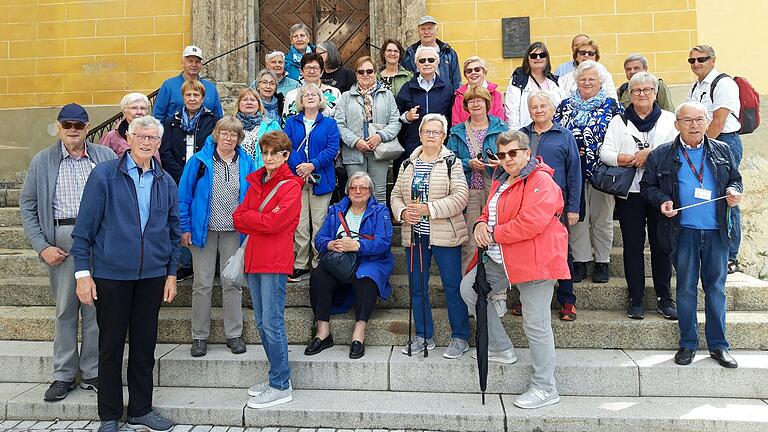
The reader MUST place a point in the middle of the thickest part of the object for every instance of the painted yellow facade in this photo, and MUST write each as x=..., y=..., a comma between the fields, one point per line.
x=91, y=52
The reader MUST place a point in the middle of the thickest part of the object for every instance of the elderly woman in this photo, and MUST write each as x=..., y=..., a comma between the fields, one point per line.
x=628, y=141
x=367, y=116
x=475, y=70
x=269, y=215
x=426, y=93
x=557, y=147
x=587, y=113
x=311, y=68
x=218, y=170
x=392, y=74
x=469, y=141
x=526, y=246
x=369, y=236
x=429, y=197
x=315, y=143
x=586, y=50
x=300, y=38
x=251, y=113
x=534, y=75
x=334, y=73
x=134, y=105
x=271, y=100
x=275, y=62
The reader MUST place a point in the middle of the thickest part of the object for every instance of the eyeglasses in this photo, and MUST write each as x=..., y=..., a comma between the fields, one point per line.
x=534, y=56
x=645, y=91
x=432, y=133
x=151, y=138
x=228, y=135
x=309, y=95
x=365, y=71
x=318, y=52
x=273, y=154
x=312, y=68
x=70, y=125
x=588, y=80
x=476, y=101
x=476, y=69
x=509, y=153
x=428, y=59
x=689, y=121
x=693, y=60
x=358, y=188
x=267, y=83
x=586, y=53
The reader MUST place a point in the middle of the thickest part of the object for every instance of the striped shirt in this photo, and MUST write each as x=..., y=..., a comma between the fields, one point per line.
x=494, y=251
x=420, y=190
x=73, y=173
x=225, y=193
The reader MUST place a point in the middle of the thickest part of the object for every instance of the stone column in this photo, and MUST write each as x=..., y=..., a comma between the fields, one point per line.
x=396, y=19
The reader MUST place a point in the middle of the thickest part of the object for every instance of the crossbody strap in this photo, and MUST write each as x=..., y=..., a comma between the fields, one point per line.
x=344, y=224
x=271, y=194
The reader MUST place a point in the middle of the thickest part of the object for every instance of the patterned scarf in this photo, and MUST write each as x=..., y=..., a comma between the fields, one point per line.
x=271, y=108
x=584, y=108
x=188, y=124
x=250, y=121
x=367, y=95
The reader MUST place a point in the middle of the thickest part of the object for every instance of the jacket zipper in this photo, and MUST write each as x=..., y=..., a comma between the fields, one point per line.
x=132, y=188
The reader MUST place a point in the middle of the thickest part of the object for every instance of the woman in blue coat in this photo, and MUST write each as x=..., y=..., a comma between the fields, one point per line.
x=211, y=187
x=370, y=237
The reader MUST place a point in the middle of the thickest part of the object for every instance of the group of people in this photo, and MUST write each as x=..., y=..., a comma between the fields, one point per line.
x=484, y=177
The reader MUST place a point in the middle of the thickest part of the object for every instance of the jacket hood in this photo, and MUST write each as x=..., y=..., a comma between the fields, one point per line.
x=535, y=164
x=463, y=89
x=282, y=173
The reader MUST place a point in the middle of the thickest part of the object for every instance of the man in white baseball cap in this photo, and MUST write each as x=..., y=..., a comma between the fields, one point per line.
x=448, y=68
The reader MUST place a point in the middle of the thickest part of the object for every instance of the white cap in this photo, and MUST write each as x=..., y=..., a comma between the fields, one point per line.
x=427, y=19
x=192, y=51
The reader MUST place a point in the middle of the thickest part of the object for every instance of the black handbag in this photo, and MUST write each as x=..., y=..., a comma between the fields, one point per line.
x=342, y=265
x=613, y=180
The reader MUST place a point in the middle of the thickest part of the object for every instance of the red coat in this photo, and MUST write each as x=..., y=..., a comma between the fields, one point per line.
x=534, y=242
x=270, y=246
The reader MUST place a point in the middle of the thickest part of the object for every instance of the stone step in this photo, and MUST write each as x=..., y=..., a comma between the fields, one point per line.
x=593, y=329
x=413, y=411
x=10, y=216
x=579, y=372
x=13, y=238
x=9, y=197
x=743, y=292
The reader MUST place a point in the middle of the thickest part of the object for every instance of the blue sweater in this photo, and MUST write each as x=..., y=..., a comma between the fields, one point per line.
x=108, y=230
x=702, y=217
x=169, y=99
x=457, y=143
x=323, y=148
x=195, y=192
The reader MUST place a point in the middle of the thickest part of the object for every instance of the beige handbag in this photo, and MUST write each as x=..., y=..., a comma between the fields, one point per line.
x=387, y=150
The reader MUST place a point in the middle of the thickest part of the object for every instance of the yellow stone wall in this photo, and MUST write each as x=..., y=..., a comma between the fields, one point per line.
x=54, y=52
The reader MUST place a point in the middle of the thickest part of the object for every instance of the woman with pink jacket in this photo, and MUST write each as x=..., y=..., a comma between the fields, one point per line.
x=475, y=70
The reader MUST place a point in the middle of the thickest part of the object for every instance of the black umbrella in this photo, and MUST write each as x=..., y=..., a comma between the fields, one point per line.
x=482, y=288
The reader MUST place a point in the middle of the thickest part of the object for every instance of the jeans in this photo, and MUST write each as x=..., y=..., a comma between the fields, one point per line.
x=448, y=261
x=185, y=258
x=268, y=296
x=734, y=142
x=701, y=252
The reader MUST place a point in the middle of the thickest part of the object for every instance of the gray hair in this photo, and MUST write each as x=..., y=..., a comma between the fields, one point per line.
x=300, y=26
x=511, y=136
x=435, y=117
x=309, y=88
x=146, y=122
x=644, y=77
x=267, y=72
x=541, y=94
x=268, y=58
x=637, y=57
x=691, y=104
x=133, y=97
x=334, y=57
x=706, y=49
x=423, y=49
x=587, y=65
x=359, y=174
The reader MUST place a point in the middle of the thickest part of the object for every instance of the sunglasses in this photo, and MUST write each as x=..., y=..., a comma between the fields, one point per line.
x=476, y=69
x=693, y=60
x=428, y=59
x=70, y=125
x=511, y=153
x=534, y=56
x=365, y=71
x=586, y=53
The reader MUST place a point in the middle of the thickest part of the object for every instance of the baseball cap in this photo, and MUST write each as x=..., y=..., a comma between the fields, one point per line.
x=192, y=51
x=73, y=112
x=427, y=19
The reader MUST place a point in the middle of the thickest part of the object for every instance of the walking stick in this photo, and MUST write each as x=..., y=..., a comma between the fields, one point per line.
x=423, y=298
x=410, y=291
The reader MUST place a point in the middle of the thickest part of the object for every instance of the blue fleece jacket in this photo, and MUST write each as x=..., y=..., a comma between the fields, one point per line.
x=108, y=229
x=293, y=61
x=323, y=148
x=457, y=143
x=169, y=98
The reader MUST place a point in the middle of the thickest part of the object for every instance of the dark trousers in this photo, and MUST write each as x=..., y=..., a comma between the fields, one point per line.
x=564, y=291
x=127, y=307
x=635, y=216
x=323, y=285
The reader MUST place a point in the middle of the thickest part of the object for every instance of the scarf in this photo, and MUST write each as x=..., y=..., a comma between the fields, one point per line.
x=584, y=108
x=647, y=123
x=367, y=95
x=271, y=108
x=250, y=121
x=188, y=125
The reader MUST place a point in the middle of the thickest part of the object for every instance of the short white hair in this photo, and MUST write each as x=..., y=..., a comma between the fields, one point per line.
x=268, y=58
x=146, y=122
x=435, y=117
x=133, y=97
x=541, y=94
x=309, y=88
x=423, y=49
x=587, y=65
x=692, y=104
x=644, y=77
x=359, y=174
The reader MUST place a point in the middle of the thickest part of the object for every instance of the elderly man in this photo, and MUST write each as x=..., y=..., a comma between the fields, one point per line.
x=126, y=250
x=448, y=68
x=687, y=179
x=169, y=99
x=275, y=62
x=570, y=65
x=638, y=63
x=723, y=108
x=49, y=204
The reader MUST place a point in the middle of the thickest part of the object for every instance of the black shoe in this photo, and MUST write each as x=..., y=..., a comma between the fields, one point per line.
x=298, y=275
x=58, y=390
x=236, y=345
x=684, y=356
x=667, y=309
x=199, y=347
x=601, y=274
x=733, y=266
x=357, y=350
x=184, y=273
x=579, y=271
x=317, y=345
x=90, y=384
x=636, y=312
x=725, y=358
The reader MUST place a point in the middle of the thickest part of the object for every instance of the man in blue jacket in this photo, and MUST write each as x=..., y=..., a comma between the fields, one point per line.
x=449, y=60
x=169, y=99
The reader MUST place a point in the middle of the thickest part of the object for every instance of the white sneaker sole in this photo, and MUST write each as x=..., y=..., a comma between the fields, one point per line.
x=421, y=349
x=452, y=357
x=539, y=405
x=271, y=403
x=145, y=427
x=502, y=360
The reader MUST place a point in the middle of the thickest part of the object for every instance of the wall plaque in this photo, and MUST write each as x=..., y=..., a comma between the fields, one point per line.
x=515, y=36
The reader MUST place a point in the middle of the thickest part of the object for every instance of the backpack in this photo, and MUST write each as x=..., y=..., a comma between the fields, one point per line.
x=749, y=99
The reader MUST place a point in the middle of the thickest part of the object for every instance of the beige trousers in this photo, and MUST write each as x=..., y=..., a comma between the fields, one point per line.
x=313, y=211
x=592, y=238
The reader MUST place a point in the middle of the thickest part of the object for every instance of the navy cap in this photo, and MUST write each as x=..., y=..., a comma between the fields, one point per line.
x=73, y=112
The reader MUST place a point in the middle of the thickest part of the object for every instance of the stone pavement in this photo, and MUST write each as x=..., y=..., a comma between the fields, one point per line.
x=88, y=426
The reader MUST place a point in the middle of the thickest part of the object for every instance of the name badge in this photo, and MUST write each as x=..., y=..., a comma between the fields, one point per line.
x=702, y=194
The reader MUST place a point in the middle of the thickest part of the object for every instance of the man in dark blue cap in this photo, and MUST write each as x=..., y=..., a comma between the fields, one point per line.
x=49, y=203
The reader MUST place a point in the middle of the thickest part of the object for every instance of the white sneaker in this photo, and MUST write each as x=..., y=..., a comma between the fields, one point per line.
x=258, y=389
x=535, y=398
x=505, y=357
x=456, y=348
x=271, y=397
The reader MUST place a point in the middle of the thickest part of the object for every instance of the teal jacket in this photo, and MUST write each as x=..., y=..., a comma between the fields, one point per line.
x=457, y=142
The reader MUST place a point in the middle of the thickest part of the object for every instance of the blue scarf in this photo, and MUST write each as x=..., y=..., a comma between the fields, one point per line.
x=271, y=108
x=582, y=109
x=250, y=121
x=188, y=124
x=647, y=123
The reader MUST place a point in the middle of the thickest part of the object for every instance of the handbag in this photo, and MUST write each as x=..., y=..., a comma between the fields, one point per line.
x=233, y=272
x=613, y=180
x=342, y=265
x=386, y=150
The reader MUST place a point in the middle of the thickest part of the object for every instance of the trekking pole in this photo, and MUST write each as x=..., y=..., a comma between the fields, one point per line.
x=423, y=298
x=410, y=290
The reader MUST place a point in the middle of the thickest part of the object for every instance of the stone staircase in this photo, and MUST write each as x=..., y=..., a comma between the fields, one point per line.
x=613, y=373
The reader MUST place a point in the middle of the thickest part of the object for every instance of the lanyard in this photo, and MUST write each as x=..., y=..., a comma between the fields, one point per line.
x=700, y=173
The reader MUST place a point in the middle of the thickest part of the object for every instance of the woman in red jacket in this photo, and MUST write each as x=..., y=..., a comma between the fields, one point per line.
x=527, y=245
x=269, y=215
